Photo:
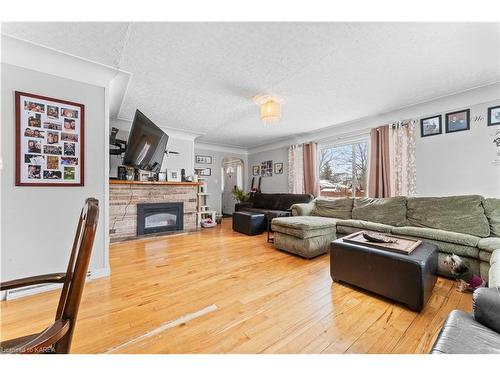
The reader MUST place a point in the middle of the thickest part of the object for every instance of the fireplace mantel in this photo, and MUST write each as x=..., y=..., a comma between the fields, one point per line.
x=125, y=195
x=173, y=183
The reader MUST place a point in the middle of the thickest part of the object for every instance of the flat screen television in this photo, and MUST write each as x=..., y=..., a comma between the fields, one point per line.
x=146, y=144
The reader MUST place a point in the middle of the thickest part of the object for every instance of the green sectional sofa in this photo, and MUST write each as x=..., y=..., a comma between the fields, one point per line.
x=468, y=225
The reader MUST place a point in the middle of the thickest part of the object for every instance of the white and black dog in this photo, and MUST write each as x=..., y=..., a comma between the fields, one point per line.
x=461, y=271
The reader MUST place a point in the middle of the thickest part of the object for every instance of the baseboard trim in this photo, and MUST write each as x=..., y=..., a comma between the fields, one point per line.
x=36, y=289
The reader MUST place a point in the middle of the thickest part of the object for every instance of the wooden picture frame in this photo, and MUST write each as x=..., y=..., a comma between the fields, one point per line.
x=496, y=112
x=203, y=172
x=59, y=161
x=256, y=170
x=463, y=115
x=174, y=175
x=426, y=123
x=278, y=168
x=202, y=159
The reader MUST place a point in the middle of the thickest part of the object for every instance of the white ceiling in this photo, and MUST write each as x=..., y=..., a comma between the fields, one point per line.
x=200, y=77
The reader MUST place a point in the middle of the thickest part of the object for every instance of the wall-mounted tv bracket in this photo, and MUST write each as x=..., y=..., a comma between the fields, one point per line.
x=122, y=145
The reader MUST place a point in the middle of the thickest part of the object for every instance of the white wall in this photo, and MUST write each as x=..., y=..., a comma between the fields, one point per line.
x=39, y=223
x=277, y=183
x=214, y=184
x=176, y=142
x=461, y=162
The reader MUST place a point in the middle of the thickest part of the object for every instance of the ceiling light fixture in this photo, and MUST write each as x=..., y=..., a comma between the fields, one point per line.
x=270, y=107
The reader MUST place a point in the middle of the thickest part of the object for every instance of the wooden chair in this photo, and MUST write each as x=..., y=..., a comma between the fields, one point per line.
x=57, y=338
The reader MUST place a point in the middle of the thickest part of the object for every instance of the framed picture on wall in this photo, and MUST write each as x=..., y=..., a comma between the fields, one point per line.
x=203, y=172
x=458, y=121
x=430, y=126
x=49, y=141
x=266, y=168
x=201, y=159
x=494, y=115
x=255, y=170
x=278, y=168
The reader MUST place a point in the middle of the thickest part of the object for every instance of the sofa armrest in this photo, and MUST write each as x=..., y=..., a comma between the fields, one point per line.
x=302, y=209
x=242, y=206
x=486, y=306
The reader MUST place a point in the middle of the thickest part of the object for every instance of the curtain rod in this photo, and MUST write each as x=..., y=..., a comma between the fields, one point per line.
x=401, y=123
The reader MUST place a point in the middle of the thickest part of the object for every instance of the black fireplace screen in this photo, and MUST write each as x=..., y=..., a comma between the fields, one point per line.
x=159, y=217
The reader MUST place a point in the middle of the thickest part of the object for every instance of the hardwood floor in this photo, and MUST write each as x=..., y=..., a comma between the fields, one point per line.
x=254, y=299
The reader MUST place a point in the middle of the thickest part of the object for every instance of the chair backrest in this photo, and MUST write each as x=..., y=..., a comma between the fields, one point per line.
x=77, y=271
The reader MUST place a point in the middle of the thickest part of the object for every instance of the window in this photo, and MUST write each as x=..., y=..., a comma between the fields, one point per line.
x=343, y=170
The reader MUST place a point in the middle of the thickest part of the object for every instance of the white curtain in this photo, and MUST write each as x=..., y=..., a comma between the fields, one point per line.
x=402, y=155
x=295, y=169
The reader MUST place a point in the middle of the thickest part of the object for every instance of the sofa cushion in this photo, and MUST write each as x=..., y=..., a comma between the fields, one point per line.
x=339, y=208
x=462, y=214
x=450, y=248
x=390, y=211
x=492, y=212
x=439, y=235
x=489, y=243
x=304, y=226
x=302, y=209
x=270, y=201
x=368, y=225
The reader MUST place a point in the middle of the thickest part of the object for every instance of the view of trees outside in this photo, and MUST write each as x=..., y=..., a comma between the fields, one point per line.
x=343, y=170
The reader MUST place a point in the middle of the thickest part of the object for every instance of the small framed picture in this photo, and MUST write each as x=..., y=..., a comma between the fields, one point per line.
x=203, y=172
x=173, y=175
x=256, y=170
x=278, y=168
x=430, y=126
x=458, y=121
x=201, y=159
x=494, y=115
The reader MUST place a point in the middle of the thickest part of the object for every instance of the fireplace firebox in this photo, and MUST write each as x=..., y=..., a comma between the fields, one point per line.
x=159, y=217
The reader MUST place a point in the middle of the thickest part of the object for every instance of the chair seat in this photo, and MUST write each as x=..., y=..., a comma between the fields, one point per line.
x=10, y=346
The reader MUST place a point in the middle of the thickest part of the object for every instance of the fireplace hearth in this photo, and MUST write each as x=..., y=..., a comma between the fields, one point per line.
x=159, y=217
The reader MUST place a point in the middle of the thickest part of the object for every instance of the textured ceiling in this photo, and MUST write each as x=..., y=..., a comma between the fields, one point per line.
x=200, y=77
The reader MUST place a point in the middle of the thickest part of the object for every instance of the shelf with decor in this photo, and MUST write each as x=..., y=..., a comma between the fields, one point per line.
x=203, y=209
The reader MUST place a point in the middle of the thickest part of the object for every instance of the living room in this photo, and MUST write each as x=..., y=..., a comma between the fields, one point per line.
x=251, y=187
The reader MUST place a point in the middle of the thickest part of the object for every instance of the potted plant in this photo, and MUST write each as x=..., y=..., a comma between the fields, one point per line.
x=239, y=195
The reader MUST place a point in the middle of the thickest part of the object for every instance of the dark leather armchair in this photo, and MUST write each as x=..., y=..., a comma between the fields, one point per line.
x=476, y=333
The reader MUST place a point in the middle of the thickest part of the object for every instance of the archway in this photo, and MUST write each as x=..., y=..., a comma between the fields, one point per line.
x=232, y=175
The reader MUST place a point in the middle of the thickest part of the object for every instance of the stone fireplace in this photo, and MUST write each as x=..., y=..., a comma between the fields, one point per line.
x=167, y=207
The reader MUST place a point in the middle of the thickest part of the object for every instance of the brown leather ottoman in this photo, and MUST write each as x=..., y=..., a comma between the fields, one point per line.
x=408, y=279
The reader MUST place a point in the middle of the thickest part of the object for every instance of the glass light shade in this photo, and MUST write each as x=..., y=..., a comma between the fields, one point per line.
x=270, y=111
